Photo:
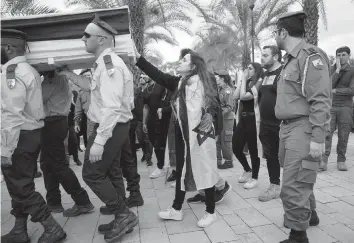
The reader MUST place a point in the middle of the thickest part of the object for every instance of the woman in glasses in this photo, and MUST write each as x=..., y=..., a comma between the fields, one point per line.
x=196, y=107
x=246, y=130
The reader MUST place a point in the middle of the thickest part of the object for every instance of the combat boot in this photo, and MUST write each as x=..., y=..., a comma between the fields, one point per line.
x=53, y=232
x=18, y=234
x=105, y=228
x=315, y=220
x=297, y=237
x=135, y=199
x=124, y=221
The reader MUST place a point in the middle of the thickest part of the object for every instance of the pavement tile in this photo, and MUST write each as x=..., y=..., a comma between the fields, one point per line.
x=155, y=235
x=220, y=232
x=235, y=201
x=252, y=217
x=337, y=191
x=339, y=232
x=315, y=234
x=324, y=197
x=188, y=224
x=275, y=215
x=269, y=233
x=343, y=208
x=237, y=225
x=322, y=183
x=149, y=219
x=198, y=236
x=250, y=238
x=348, y=199
x=324, y=208
x=263, y=206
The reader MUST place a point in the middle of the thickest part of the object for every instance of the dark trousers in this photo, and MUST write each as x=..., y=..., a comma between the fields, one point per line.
x=157, y=131
x=73, y=143
x=132, y=138
x=55, y=166
x=341, y=118
x=246, y=133
x=19, y=178
x=269, y=137
x=144, y=141
x=101, y=176
x=179, y=194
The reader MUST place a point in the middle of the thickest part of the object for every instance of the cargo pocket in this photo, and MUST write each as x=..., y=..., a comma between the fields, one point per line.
x=228, y=136
x=308, y=171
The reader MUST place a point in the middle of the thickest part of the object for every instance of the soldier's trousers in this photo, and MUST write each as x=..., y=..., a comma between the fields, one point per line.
x=269, y=137
x=101, y=176
x=341, y=118
x=144, y=141
x=19, y=178
x=299, y=173
x=224, y=141
x=55, y=165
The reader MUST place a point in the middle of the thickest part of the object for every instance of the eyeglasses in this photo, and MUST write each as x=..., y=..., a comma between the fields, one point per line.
x=87, y=35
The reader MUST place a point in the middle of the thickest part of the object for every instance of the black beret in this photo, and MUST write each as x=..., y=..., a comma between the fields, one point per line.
x=103, y=25
x=221, y=72
x=13, y=34
x=292, y=21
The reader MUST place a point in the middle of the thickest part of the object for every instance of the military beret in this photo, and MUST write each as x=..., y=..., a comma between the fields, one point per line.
x=13, y=34
x=221, y=72
x=293, y=21
x=103, y=25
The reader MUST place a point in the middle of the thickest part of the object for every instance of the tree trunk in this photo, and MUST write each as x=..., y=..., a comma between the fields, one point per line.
x=246, y=55
x=311, y=22
x=137, y=23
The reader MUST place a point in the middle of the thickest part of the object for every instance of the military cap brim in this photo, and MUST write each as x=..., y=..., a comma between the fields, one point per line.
x=221, y=72
x=103, y=25
x=296, y=15
x=13, y=34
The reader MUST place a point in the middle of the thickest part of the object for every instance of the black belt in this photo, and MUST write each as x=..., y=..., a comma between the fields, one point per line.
x=288, y=121
x=54, y=118
x=249, y=113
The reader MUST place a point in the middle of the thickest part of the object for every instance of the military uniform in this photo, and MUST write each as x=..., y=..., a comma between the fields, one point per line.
x=303, y=104
x=21, y=124
x=224, y=140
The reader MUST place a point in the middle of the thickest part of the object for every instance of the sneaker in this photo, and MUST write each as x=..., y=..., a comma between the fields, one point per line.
x=271, y=193
x=323, y=166
x=157, y=173
x=218, y=197
x=173, y=184
x=171, y=214
x=172, y=177
x=252, y=183
x=198, y=198
x=149, y=163
x=78, y=210
x=135, y=199
x=207, y=220
x=226, y=189
x=245, y=177
x=342, y=166
x=226, y=165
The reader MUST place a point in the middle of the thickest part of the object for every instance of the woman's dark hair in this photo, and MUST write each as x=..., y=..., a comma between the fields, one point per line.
x=200, y=69
x=258, y=72
x=227, y=79
x=86, y=71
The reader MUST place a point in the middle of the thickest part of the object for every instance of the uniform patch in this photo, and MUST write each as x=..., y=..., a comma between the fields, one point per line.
x=11, y=83
x=109, y=64
x=318, y=63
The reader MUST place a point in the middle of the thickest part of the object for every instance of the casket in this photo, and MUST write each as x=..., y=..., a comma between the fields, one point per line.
x=54, y=40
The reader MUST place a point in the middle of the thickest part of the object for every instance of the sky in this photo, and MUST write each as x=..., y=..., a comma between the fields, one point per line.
x=339, y=32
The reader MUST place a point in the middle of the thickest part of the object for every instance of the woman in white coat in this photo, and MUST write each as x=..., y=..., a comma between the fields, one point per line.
x=196, y=107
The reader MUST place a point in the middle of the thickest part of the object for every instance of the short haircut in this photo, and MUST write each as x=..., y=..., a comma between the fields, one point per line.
x=294, y=26
x=184, y=52
x=343, y=49
x=275, y=51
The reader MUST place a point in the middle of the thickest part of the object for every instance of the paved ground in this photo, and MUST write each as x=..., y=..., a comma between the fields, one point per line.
x=242, y=218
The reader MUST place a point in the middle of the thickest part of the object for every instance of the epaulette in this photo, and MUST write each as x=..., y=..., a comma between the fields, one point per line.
x=10, y=76
x=311, y=50
x=109, y=64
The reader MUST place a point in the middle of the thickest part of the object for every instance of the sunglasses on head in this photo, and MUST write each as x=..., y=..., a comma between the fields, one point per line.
x=87, y=35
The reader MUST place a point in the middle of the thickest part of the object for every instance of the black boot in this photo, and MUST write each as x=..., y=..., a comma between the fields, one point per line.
x=226, y=165
x=53, y=232
x=105, y=228
x=18, y=234
x=172, y=177
x=78, y=210
x=314, y=221
x=124, y=221
x=135, y=200
x=105, y=211
x=297, y=237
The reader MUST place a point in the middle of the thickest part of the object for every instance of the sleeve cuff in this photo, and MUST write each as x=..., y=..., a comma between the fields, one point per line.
x=6, y=152
x=101, y=140
x=318, y=136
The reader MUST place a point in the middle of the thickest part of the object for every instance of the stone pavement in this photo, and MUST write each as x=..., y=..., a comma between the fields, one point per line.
x=241, y=217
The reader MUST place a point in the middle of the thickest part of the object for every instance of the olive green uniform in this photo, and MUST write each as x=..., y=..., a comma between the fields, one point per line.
x=303, y=104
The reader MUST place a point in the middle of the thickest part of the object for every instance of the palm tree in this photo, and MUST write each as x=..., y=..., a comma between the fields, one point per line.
x=233, y=17
x=24, y=7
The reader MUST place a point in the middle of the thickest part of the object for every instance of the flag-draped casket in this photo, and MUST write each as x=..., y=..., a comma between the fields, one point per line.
x=55, y=39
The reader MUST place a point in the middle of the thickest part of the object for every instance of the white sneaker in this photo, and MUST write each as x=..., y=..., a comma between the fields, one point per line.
x=172, y=214
x=173, y=184
x=245, y=177
x=157, y=173
x=207, y=220
x=252, y=183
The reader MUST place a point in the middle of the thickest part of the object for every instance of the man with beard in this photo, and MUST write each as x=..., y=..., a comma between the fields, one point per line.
x=269, y=125
x=303, y=104
x=21, y=124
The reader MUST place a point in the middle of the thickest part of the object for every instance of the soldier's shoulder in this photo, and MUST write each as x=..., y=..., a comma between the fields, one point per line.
x=23, y=69
x=228, y=90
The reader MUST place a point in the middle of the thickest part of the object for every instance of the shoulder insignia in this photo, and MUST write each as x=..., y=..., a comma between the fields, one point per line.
x=10, y=76
x=109, y=64
x=318, y=63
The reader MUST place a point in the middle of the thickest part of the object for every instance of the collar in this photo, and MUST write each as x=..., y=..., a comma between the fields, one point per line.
x=15, y=60
x=296, y=50
x=347, y=67
x=100, y=57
